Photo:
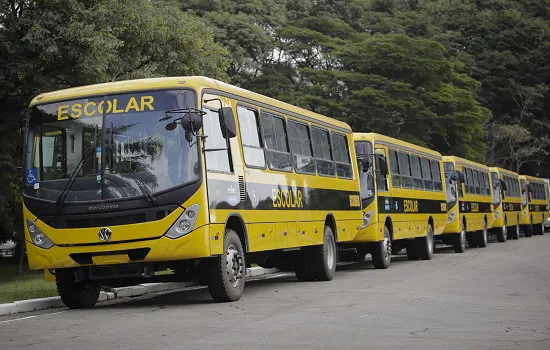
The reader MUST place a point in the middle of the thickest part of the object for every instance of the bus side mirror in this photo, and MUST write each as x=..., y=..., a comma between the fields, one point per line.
x=365, y=163
x=529, y=189
x=227, y=122
x=461, y=177
x=503, y=185
x=383, y=166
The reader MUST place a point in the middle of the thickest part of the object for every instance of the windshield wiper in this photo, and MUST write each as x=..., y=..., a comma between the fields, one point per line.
x=63, y=196
x=142, y=187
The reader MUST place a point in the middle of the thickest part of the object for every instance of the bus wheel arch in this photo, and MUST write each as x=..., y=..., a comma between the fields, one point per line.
x=331, y=222
x=235, y=222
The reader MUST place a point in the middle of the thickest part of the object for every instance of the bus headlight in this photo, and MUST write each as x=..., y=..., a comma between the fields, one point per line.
x=451, y=217
x=497, y=214
x=185, y=223
x=38, y=237
x=367, y=218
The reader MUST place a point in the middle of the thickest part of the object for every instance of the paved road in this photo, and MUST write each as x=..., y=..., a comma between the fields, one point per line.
x=493, y=298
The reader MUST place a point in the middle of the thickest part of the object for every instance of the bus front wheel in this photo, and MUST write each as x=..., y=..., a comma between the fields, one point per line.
x=459, y=243
x=323, y=257
x=76, y=295
x=226, y=282
x=482, y=236
x=502, y=234
x=381, y=253
x=426, y=244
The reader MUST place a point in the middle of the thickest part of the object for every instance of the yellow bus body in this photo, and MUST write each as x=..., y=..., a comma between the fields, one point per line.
x=508, y=212
x=272, y=209
x=405, y=210
x=474, y=207
x=534, y=204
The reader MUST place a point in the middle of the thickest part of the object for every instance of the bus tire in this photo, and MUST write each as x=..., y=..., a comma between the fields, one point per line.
x=502, y=234
x=323, y=257
x=381, y=253
x=302, y=266
x=426, y=244
x=482, y=236
x=227, y=274
x=459, y=240
x=528, y=230
x=514, y=231
x=76, y=295
x=541, y=228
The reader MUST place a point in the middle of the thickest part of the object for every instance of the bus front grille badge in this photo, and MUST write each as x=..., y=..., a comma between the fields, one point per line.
x=105, y=234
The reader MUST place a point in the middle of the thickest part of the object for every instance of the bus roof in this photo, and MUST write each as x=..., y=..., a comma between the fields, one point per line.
x=504, y=171
x=378, y=138
x=532, y=178
x=463, y=161
x=197, y=82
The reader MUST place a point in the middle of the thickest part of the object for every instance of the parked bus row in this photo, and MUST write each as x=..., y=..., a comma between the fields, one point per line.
x=127, y=179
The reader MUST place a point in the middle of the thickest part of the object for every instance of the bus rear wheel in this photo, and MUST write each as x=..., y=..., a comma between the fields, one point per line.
x=514, y=231
x=227, y=275
x=381, y=253
x=323, y=257
x=528, y=229
x=76, y=295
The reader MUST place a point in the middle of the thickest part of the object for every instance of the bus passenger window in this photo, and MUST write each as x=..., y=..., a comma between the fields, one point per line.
x=476, y=181
x=436, y=174
x=405, y=170
x=217, y=160
x=250, y=137
x=322, y=153
x=278, y=155
x=300, y=146
x=394, y=169
x=427, y=174
x=417, y=173
x=341, y=156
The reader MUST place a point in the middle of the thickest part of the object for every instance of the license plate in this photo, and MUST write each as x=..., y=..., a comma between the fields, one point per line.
x=110, y=259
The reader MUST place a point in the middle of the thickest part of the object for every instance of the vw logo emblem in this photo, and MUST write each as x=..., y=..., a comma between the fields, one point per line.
x=105, y=234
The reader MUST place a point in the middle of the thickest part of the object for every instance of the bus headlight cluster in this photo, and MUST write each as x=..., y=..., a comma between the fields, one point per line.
x=38, y=237
x=497, y=214
x=185, y=223
x=451, y=217
x=367, y=218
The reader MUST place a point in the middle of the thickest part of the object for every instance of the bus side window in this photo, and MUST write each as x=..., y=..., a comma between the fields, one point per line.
x=427, y=174
x=436, y=174
x=276, y=142
x=394, y=169
x=381, y=181
x=322, y=152
x=470, y=181
x=476, y=181
x=300, y=146
x=341, y=156
x=417, y=173
x=253, y=151
x=405, y=170
x=218, y=159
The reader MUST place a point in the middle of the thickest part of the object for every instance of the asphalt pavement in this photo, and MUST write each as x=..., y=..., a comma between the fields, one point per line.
x=492, y=298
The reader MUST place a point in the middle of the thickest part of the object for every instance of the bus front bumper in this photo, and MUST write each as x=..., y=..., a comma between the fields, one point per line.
x=194, y=245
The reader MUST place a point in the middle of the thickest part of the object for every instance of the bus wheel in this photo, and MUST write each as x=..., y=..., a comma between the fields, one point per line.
x=482, y=236
x=302, y=266
x=541, y=228
x=528, y=230
x=76, y=295
x=226, y=282
x=502, y=234
x=459, y=242
x=426, y=245
x=323, y=257
x=381, y=254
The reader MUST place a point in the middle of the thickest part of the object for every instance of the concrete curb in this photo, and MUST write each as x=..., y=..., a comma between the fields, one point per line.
x=114, y=293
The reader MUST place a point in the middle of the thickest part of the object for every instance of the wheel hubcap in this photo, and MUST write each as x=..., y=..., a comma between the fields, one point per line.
x=234, y=265
x=331, y=253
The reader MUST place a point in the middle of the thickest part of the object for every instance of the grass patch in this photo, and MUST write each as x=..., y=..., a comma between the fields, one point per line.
x=29, y=285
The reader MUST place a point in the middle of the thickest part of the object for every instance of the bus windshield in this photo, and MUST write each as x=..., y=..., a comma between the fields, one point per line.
x=117, y=145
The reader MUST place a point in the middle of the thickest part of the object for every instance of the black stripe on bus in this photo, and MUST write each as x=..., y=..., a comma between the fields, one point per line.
x=474, y=207
x=254, y=196
x=534, y=208
x=397, y=205
x=511, y=206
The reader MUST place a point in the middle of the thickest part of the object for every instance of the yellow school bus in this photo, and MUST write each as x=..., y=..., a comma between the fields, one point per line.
x=507, y=203
x=534, y=205
x=470, y=203
x=126, y=179
x=403, y=206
